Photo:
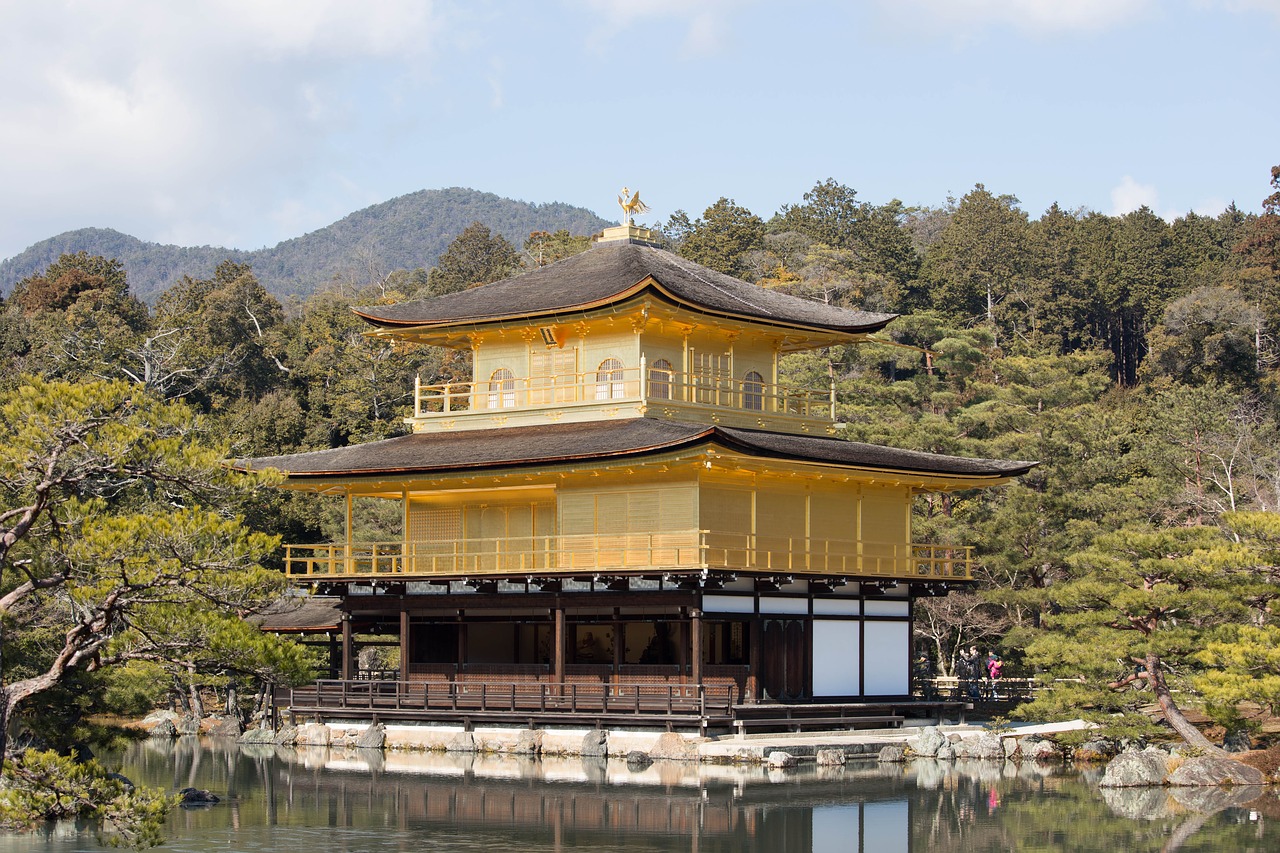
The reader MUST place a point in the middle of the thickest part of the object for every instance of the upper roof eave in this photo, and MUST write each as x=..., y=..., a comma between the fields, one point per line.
x=608, y=274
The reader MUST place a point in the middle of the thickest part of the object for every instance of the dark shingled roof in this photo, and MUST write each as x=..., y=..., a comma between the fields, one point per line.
x=611, y=271
x=301, y=614
x=557, y=443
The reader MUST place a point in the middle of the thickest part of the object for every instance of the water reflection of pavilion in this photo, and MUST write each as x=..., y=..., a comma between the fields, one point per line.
x=340, y=800
x=525, y=805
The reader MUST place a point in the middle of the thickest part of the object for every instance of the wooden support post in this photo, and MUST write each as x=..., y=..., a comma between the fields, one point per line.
x=462, y=643
x=348, y=652
x=695, y=646
x=754, y=658
x=557, y=647
x=406, y=551
x=619, y=644
x=404, y=642
x=347, y=566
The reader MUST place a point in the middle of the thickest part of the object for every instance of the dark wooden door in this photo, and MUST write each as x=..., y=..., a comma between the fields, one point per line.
x=784, y=658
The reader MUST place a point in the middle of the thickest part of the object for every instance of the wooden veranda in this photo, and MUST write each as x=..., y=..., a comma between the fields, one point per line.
x=705, y=708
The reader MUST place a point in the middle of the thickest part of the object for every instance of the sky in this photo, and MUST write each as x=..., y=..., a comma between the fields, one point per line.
x=242, y=123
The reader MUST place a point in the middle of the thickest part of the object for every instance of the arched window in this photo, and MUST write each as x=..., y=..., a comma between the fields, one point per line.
x=609, y=380
x=660, y=380
x=502, y=389
x=753, y=392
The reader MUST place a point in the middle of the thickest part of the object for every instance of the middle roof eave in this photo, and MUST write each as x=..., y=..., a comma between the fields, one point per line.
x=443, y=452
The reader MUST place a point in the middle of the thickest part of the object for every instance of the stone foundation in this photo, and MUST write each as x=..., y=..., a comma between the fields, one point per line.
x=508, y=741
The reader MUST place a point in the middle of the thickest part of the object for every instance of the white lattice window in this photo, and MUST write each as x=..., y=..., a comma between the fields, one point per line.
x=553, y=376
x=712, y=377
x=753, y=392
x=660, y=379
x=502, y=389
x=609, y=384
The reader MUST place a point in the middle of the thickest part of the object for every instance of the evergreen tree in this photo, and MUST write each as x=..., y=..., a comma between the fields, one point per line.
x=722, y=238
x=980, y=259
x=214, y=339
x=74, y=320
x=477, y=256
x=832, y=215
x=118, y=542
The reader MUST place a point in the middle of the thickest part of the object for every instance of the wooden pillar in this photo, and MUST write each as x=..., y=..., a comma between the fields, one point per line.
x=462, y=642
x=406, y=551
x=686, y=364
x=557, y=647
x=753, y=661
x=619, y=644
x=695, y=645
x=348, y=652
x=349, y=524
x=404, y=642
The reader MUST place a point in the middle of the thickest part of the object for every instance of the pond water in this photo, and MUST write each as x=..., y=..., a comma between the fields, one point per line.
x=355, y=801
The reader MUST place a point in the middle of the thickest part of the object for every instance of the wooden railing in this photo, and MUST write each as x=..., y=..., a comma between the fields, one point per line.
x=644, y=385
x=674, y=550
x=405, y=699
x=978, y=689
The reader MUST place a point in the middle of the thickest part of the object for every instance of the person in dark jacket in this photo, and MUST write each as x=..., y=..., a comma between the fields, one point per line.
x=923, y=672
x=968, y=668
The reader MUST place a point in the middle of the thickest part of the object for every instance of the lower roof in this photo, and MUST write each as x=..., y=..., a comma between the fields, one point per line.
x=445, y=452
x=302, y=614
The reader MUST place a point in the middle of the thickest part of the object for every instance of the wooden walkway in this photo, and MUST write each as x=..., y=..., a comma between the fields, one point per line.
x=522, y=703
x=536, y=704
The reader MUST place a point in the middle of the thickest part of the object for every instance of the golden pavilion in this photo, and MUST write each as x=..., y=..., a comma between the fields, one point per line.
x=622, y=513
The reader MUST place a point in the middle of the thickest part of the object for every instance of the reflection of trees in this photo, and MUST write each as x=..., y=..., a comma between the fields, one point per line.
x=1073, y=815
x=1042, y=809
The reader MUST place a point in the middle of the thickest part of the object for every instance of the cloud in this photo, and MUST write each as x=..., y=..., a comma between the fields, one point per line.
x=1045, y=17
x=1210, y=206
x=143, y=109
x=494, y=78
x=1129, y=195
x=706, y=22
x=1238, y=6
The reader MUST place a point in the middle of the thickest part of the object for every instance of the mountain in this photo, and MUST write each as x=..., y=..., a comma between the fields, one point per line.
x=404, y=233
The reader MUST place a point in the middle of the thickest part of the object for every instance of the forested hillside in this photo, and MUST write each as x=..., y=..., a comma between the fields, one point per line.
x=1135, y=358
x=408, y=232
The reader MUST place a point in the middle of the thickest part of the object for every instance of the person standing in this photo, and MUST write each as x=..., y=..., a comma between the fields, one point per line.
x=925, y=677
x=968, y=670
x=995, y=668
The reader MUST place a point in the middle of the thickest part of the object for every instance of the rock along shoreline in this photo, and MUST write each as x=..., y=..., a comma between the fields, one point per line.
x=1126, y=766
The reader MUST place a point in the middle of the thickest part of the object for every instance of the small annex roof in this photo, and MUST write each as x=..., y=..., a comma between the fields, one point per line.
x=301, y=614
x=608, y=273
x=444, y=452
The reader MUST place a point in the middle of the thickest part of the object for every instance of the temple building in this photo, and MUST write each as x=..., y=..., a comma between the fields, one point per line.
x=623, y=495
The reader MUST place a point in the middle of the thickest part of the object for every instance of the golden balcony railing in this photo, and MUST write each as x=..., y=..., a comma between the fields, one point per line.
x=631, y=552
x=644, y=385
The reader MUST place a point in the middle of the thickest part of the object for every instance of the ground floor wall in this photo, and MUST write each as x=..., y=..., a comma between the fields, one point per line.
x=770, y=642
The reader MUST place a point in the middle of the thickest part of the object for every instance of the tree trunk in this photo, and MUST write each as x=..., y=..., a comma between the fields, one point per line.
x=1173, y=714
x=197, y=706
x=5, y=709
x=4, y=704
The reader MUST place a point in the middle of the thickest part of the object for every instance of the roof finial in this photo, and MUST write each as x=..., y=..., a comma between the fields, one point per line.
x=631, y=205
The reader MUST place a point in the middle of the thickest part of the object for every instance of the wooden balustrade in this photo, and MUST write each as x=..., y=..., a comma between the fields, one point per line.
x=505, y=699
x=686, y=549
x=643, y=385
